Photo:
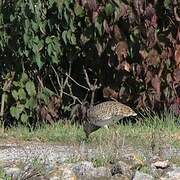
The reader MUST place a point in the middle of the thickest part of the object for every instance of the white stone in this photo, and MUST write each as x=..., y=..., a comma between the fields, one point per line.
x=142, y=176
x=161, y=164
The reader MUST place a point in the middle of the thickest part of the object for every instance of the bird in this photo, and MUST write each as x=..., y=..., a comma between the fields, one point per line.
x=105, y=113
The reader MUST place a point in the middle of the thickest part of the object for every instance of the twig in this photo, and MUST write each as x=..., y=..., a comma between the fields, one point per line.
x=74, y=97
x=80, y=85
x=57, y=77
x=87, y=79
x=64, y=84
x=84, y=87
x=53, y=84
x=93, y=87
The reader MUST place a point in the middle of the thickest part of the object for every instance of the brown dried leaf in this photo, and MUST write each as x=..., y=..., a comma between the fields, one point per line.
x=50, y=113
x=121, y=50
x=138, y=69
x=154, y=21
x=138, y=6
x=43, y=114
x=175, y=107
x=176, y=75
x=151, y=36
x=125, y=66
x=166, y=55
x=156, y=84
x=89, y=4
x=177, y=55
x=106, y=27
x=150, y=11
x=148, y=76
x=109, y=93
x=143, y=53
x=178, y=35
x=153, y=57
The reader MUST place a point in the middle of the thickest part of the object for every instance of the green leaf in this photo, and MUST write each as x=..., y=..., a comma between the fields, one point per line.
x=21, y=94
x=30, y=88
x=26, y=39
x=109, y=9
x=47, y=91
x=79, y=11
x=15, y=83
x=99, y=28
x=68, y=35
x=73, y=39
x=37, y=59
x=44, y=97
x=31, y=103
x=45, y=94
x=24, y=118
x=16, y=111
x=64, y=36
x=35, y=26
x=49, y=49
x=24, y=77
x=40, y=45
x=48, y=40
x=15, y=94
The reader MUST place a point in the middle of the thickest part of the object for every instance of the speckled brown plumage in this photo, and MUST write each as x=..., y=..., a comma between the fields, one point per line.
x=104, y=114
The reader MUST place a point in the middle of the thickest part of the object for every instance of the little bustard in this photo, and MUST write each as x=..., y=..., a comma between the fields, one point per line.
x=105, y=113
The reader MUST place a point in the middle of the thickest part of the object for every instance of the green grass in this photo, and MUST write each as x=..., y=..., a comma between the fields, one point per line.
x=145, y=130
x=3, y=175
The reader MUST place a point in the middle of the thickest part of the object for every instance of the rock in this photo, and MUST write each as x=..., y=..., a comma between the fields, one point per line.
x=101, y=172
x=172, y=175
x=121, y=168
x=134, y=160
x=86, y=170
x=12, y=171
x=62, y=172
x=142, y=176
x=161, y=164
x=119, y=177
x=83, y=168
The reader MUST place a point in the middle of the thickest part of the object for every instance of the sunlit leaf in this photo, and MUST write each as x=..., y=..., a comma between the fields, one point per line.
x=30, y=88
x=79, y=11
x=109, y=9
x=15, y=94
x=24, y=118
x=16, y=111
x=31, y=103
x=21, y=94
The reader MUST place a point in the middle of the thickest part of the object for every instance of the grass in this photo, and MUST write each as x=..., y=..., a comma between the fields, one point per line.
x=146, y=130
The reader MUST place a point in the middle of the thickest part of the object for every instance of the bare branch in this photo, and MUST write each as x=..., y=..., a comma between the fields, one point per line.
x=87, y=78
x=62, y=85
x=53, y=84
x=74, y=97
x=84, y=87
x=66, y=80
x=93, y=87
x=57, y=77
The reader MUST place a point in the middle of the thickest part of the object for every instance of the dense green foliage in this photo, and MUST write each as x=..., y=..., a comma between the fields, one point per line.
x=130, y=49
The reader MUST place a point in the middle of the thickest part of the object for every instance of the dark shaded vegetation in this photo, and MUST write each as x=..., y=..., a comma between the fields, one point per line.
x=55, y=55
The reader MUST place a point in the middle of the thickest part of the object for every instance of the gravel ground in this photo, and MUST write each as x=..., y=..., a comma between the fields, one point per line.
x=75, y=161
